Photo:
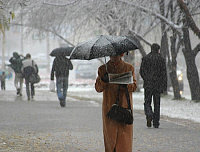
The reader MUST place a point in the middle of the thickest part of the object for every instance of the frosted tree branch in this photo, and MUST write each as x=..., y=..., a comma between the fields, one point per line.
x=140, y=37
x=61, y=5
x=190, y=20
x=146, y=10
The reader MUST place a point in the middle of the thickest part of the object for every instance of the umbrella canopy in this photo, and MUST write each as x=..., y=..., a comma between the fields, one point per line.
x=65, y=50
x=102, y=46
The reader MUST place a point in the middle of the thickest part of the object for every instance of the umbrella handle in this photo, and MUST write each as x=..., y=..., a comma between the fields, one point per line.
x=106, y=65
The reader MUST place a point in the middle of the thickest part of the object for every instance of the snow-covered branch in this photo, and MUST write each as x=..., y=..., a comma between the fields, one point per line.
x=58, y=4
x=140, y=37
x=146, y=10
x=60, y=36
x=190, y=20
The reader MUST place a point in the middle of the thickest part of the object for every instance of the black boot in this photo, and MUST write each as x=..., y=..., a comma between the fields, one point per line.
x=18, y=91
x=149, y=122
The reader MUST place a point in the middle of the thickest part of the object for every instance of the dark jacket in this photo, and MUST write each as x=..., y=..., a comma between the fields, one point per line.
x=153, y=71
x=3, y=77
x=16, y=62
x=61, y=67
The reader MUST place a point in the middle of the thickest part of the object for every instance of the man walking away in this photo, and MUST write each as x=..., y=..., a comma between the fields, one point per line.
x=153, y=72
x=29, y=67
x=61, y=66
x=16, y=65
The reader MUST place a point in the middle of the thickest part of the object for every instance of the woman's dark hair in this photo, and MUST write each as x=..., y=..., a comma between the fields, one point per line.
x=28, y=55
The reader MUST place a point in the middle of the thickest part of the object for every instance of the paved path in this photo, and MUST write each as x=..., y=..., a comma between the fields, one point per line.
x=42, y=125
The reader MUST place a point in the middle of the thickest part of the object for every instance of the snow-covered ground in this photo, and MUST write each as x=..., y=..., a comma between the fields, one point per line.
x=184, y=109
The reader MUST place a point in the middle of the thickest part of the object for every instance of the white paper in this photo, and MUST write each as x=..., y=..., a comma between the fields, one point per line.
x=121, y=78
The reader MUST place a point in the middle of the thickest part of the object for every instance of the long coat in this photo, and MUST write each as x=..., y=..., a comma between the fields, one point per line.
x=153, y=71
x=116, y=135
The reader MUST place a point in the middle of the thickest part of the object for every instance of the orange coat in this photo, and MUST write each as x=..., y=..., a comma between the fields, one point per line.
x=116, y=135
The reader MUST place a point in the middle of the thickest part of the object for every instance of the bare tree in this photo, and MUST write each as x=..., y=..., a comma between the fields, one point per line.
x=115, y=17
x=189, y=53
x=188, y=17
x=181, y=31
x=6, y=15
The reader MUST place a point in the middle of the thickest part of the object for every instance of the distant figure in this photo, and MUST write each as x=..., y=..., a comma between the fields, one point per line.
x=61, y=66
x=3, y=81
x=118, y=137
x=29, y=67
x=153, y=71
x=16, y=65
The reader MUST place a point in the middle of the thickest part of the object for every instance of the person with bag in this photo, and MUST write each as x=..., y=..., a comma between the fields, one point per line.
x=118, y=136
x=153, y=71
x=61, y=66
x=16, y=65
x=29, y=67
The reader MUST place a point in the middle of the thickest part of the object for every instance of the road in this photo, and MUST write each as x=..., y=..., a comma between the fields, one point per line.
x=41, y=125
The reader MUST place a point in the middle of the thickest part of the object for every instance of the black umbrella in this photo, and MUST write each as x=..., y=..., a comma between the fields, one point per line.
x=102, y=46
x=65, y=50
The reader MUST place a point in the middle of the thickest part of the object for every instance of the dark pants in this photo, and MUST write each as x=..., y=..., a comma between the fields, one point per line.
x=3, y=85
x=28, y=84
x=148, y=94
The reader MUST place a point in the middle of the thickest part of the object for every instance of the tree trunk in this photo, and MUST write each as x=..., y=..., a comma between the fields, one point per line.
x=3, y=50
x=173, y=74
x=164, y=45
x=165, y=54
x=164, y=41
x=47, y=53
x=165, y=51
x=172, y=64
x=192, y=72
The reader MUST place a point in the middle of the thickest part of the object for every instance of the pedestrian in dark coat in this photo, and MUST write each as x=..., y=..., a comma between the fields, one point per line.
x=61, y=66
x=153, y=71
x=16, y=65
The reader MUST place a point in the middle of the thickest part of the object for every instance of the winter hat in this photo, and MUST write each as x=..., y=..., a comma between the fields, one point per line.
x=15, y=55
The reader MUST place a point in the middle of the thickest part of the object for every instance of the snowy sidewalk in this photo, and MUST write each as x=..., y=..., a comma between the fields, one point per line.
x=42, y=125
x=183, y=109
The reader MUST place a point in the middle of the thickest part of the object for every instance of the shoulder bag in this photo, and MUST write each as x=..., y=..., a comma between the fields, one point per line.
x=34, y=77
x=120, y=114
